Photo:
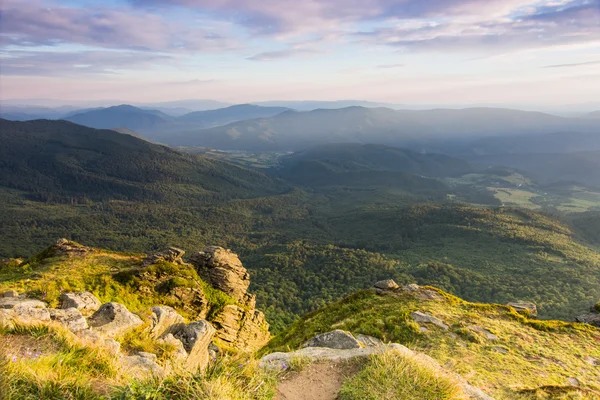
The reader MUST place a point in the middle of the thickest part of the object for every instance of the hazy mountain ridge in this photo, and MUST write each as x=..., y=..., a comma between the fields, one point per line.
x=291, y=131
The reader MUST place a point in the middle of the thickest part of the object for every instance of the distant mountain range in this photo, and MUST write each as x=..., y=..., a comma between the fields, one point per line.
x=445, y=131
x=157, y=125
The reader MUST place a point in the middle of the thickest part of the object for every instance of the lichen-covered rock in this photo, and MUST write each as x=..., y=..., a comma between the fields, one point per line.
x=419, y=316
x=524, y=306
x=30, y=315
x=336, y=339
x=387, y=284
x=164, y=320
x=85, y=302
x=243, y=329
x=10, y=293
x=195, y=338
x=12, y=302
x=94, y=338
x=223, y=270
x=113, y=319
x=171, y=254
x=70, y=317
x=368, y=341
x=178, y=353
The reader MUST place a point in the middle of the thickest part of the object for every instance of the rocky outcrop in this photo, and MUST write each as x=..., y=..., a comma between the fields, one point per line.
x=23, y=310
x=524, y=306
x=70, y=317
x=242, y=329
x=196, y=337
x=164, y=321
x=113, y=319
x=85, y=302
x=591, y=318
x=223, y=270
x=10, y=293
x=64, y=247
x=171, y=254
x=336, y=339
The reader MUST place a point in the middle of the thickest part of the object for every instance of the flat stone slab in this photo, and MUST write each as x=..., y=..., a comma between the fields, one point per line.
x=419, y=316
x=337, y=339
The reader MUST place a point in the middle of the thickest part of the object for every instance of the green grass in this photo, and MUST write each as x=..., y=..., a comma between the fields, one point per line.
x=542, y=353
x=391, y=376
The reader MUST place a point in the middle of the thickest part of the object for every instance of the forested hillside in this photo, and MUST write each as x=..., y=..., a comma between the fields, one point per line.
x=304, y=245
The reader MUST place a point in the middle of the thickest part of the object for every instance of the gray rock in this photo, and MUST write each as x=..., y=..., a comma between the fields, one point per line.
x=489, y=335
x=592, y=319
x=336, y=339
x=147, y=356
x=213, y=351
x=26, y=314
x=500, y=350
x=419, y=316
x=112, y=346
x=171, y=254
x=141, y=367
x=196, y=337
x=178, y=353
x=573, y=381
x=368, y=341
x=85, y=302
x=10, y=293
x=592, y=361
x=413, y=287
x=388, y=284
x=223, y=270
x=12, y=302
x=113, y=319
x=524, y=306
x=71, y=318
x=164, y=320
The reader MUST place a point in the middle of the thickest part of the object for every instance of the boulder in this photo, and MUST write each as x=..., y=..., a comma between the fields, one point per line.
x=524, y=306
x=171, y=254
x=112, y=346
x=177, y=351
x=246, y=330
x=223, y=270
x=113, y=319
x=85, y=302
x=71, y=318
x=10, y=293
x=12, y=302
x=419, y=316
x=195, y=338
x=30, y=315
x=413, y=287
x=336, y=339
x=592, y=319
x=164, y=320
x=388, y=284
x=142, y=365
x=368, y=341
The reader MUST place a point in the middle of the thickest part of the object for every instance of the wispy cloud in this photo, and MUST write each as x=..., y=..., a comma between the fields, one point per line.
x=581, y=64
x=391, y=66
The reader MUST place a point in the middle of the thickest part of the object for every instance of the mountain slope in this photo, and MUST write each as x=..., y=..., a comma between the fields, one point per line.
x=123, y=116
x=57, y=159
x=300, y=130
x=504, y=353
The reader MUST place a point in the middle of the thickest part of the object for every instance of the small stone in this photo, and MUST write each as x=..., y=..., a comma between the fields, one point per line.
x=500, y=350
x=113, y=319
x=368, y=341
x=489, y=335
x=71, y=318
x=10, y=293
x=387, y=284
x=337, y=339
x=422, y=329
x=592, y=361
x=573, y=381
x=85, y=302
x=419, y=316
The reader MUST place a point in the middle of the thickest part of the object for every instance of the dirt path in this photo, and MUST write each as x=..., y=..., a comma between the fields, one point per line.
x=321, y=381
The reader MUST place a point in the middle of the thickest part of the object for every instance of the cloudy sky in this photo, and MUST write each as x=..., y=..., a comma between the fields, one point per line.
x=403, y=51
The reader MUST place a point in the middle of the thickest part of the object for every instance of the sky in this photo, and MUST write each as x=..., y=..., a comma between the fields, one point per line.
x=401, y=51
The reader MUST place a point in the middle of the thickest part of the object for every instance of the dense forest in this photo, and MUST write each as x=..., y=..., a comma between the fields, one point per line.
x=305, y=245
